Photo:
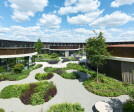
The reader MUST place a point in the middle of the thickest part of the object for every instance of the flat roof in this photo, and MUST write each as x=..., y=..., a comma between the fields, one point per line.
x=17, y=56
x=121, y=45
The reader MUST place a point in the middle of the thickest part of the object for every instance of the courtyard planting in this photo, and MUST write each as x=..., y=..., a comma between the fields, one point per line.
x=34, y=93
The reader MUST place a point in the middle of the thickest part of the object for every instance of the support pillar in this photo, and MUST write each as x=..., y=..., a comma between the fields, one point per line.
x=66, y=53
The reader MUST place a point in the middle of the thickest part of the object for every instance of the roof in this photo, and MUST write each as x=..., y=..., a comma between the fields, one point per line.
x=121, y=45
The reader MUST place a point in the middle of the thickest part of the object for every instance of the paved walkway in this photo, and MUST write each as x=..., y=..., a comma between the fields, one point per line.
x=70, y=91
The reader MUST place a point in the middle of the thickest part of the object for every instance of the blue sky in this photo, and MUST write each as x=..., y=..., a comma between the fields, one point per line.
x=66, y=20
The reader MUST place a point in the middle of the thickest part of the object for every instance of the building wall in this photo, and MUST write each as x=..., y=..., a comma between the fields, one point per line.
x=119, y=70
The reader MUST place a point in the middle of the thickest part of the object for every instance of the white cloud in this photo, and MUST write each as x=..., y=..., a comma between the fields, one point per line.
x=118, y=3
x=49, y=21
x=84, y=19
x=115, y=19
x=1, y=17
x=24, y=9
x=87, y=9
x=75, y=6
x=115, y=30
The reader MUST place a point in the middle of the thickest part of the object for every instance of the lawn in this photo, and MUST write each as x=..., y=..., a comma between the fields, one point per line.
x=34, y=93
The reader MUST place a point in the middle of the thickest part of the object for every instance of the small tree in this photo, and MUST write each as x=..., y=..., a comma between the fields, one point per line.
x=96, y=51
x=38, y=46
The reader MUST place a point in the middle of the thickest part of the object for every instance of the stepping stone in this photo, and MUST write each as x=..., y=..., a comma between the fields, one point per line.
x=103, y=107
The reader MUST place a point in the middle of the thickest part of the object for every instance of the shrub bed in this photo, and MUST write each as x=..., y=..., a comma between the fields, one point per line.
x=2, y=110
x=107, y=86
x=53, y=62
x=66, y=107
x=128, y=106
x=34, y=94
x=44, y=76
x=19, y=76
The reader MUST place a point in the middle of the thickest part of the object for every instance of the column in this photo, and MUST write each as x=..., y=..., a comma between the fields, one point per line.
x=66, y=53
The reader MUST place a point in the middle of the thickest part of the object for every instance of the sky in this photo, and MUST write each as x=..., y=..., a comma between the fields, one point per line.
x=66, y=20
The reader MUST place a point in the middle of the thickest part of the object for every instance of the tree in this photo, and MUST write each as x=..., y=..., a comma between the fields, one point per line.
x=38, y=46
x=96, y=51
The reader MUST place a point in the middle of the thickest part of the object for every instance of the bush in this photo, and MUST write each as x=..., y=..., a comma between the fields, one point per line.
x=3, y=69
x=43, y=76
x=65, y=60
x=72, y=75
x=50, y=69
x=2, y=110
x=54, y=55
x=18, y=68
x=66, y=107
x=128, y=106
x=53, y=62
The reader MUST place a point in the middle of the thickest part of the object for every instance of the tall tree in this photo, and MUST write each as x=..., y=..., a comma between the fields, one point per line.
x=96, y=51
x=38, y=46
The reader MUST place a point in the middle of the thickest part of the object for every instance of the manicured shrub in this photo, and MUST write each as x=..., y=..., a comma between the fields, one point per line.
x=2, y=110
x=54, y=55
x=18, y=68
x=65, y=60
x=37, y=66
x=43, y=76
x=72, y=75
x=59, y=71
x=66, y=107
x=53, y=62
x=128, y=106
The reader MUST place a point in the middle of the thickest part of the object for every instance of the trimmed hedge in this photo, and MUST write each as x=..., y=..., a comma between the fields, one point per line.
x=66, y=107
x=128, y=106
x=34, y=94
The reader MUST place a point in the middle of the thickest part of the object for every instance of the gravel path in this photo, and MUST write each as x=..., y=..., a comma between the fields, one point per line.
x=70, y=91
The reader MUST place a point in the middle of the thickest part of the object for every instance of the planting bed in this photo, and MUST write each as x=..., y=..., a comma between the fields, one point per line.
x=66, y=107
x=108, y=87
x=34, y=94
x=13, y=77
x=43, y=76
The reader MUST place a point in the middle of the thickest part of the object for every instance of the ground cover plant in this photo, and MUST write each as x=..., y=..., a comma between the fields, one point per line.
x=62, y=72
x=66, y=107
x=18, y=76
x=2, y=110
x=128, y=106
x=108, y=87
x=44, y=76
x=34, y=93
x=47, y=57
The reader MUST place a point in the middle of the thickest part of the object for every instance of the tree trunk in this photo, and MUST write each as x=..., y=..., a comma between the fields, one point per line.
x=97, y=74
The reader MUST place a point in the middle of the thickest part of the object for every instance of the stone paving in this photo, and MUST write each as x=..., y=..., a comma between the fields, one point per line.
x=71, y=91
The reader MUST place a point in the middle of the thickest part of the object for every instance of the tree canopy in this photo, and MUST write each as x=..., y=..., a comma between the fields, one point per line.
x=96, y=51
x=38, y=46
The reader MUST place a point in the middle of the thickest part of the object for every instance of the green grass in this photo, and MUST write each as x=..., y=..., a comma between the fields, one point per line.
x=37, y=97
x=24, y=74
x=66, y=107
x=108, y=87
